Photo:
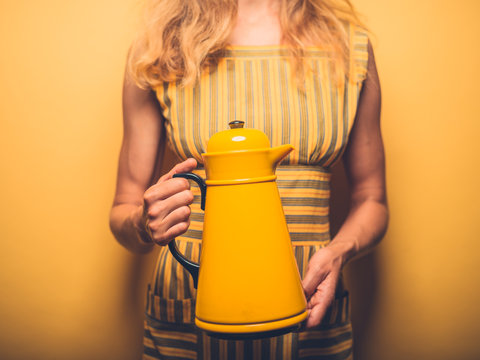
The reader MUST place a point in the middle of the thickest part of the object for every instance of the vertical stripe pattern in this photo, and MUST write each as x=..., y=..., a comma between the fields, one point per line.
x=255, y=84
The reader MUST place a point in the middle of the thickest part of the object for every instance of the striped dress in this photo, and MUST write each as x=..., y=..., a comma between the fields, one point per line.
x=255, y=84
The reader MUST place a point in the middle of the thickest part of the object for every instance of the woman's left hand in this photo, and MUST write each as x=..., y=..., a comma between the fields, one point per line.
x=320, y=282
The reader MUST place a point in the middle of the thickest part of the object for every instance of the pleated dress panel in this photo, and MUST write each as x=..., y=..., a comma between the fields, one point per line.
x=256, y=85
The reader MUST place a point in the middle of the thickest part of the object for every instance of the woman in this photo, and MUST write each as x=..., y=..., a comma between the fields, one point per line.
x=304, y=73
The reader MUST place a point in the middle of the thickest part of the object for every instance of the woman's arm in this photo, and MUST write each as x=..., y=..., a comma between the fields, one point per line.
x=163, y=205
x=364, y=161
x=367, y=219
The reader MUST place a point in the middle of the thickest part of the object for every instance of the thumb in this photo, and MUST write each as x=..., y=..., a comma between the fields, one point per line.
x=185, y=166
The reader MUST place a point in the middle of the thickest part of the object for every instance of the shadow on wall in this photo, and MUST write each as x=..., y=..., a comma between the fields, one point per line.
x=361, y=275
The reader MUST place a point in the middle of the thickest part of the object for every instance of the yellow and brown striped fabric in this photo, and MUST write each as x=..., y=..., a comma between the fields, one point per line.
x=255, y=84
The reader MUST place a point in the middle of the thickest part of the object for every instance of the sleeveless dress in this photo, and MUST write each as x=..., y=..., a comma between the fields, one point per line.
x=255, y=84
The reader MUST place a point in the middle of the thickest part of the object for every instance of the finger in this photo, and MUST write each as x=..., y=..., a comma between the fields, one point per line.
x=161, y=224
x=316, y=315
x=165, y=190
x=318, y=307
x=175, y=226
x=321, y=300
x=317, y=270
x=161, y=210
x=185, y=166
x=176, y=231
x=312, y=279
x=180, y=215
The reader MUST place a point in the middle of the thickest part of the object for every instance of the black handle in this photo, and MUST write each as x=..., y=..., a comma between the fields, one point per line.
x=199, y=181
x=190, y=266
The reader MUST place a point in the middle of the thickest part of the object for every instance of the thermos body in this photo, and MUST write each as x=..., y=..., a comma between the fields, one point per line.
x=248, y=273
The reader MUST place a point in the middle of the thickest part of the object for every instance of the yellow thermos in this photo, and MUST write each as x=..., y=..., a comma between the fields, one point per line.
x=248, y=280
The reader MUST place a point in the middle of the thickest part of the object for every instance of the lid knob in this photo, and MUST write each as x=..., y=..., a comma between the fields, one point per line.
x=236, y=124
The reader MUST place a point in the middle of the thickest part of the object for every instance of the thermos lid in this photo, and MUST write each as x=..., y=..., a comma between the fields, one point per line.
x=237, y=138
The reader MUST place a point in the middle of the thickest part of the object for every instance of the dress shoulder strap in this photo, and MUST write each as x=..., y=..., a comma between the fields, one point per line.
x=358, y=53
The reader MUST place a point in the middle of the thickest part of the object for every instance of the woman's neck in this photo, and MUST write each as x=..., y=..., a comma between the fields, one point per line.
x=257, y=23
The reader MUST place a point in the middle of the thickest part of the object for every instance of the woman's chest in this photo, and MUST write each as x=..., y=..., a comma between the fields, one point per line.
x=315, y=118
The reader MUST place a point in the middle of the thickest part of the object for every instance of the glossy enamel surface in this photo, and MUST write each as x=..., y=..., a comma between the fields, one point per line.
x=248, y=280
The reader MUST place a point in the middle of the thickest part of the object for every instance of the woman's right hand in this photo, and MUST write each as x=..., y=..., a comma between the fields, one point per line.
x=166, y=211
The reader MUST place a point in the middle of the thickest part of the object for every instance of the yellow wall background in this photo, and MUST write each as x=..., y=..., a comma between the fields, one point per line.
x=68, y=291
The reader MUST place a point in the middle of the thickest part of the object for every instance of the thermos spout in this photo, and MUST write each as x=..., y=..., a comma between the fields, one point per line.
x=278, y=153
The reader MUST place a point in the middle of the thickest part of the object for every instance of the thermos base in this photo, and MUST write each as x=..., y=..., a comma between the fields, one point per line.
x=253, y=330
x=254, y=336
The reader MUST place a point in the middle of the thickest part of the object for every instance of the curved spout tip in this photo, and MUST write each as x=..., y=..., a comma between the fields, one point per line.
x=278, y=153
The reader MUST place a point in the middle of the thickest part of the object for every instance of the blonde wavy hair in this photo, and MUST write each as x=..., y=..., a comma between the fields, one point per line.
x=181, y=38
